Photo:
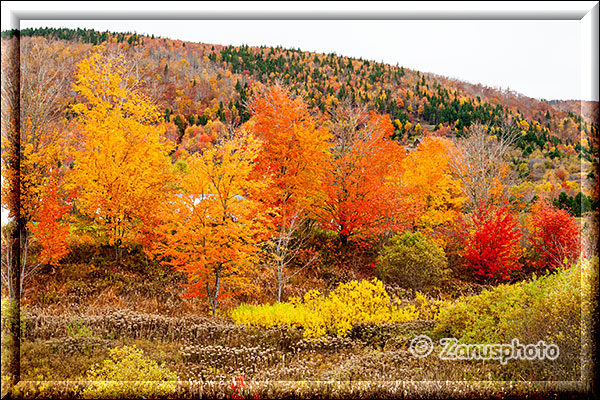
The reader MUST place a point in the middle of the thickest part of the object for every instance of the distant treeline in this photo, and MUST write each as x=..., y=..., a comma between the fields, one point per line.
x=83, y=35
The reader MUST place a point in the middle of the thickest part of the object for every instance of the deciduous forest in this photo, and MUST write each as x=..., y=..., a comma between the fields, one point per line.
x=191, y=219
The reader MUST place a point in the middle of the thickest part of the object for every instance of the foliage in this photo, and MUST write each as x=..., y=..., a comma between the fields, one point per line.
x=555, y=238
x=8, y=311
x=412, y=260
x=294, y=149
x=361, y=174
x=215, y=221
x=431, y=187
x=128, y=373
x=492, y=247
x=13, y=317
x=360, y=183
x=38, y=142
x=576, y=205
x=333, y=314
x=122, y=165
x=544, y=307
x=50, y=230
x=548, y=308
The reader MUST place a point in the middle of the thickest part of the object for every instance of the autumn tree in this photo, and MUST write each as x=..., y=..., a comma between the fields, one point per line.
x=432, y=188
x=492, y=247
x=554, y=237
x=295, y=148
x=294, y=151
x=35, y=78
x=216, y=223
x=46, y=71
x=46, y=243
x=122, y=165
x=39, y=139
x=360, y=182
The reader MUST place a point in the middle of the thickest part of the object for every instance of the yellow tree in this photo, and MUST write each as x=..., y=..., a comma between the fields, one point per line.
x=433, y=190
x=216, y=222
x=122, y=166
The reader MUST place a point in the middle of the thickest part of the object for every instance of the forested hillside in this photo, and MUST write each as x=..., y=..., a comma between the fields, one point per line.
x=282, y=215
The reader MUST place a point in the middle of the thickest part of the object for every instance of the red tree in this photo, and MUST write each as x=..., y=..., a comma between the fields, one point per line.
x=554, y=236
x=492, y=248
x=50, y=230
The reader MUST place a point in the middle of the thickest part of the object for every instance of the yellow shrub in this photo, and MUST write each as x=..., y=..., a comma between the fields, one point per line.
x=430, y=309
x=404, y=314
x=335, y=314
x=544, y=308
x=128, y=373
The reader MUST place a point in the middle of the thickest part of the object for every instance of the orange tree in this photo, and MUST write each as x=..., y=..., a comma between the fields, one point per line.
x=360, y=183
x=216, y=223
x=431, y=187
x=122, y=165
x=294, y=151
x=51, y=229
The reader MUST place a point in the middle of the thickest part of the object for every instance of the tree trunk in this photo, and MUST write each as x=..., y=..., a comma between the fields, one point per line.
x=280, y=280
x=11, y=349
x=279, y=290
x=343, y=249
x=212, y=297
x=11, y=138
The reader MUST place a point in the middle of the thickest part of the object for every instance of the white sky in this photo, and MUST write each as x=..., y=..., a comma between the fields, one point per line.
x=539, y=58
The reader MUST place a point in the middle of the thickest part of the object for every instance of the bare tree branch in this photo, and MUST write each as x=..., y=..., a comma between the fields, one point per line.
x=480, y=163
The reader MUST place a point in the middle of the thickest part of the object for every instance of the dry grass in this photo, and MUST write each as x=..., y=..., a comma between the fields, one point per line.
x=72, y=325
x=206, y=349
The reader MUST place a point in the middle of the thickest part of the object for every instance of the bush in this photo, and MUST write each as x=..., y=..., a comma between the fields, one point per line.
x=547, y=308
x=412, y=260
x=130, y=374
x=554, y=238
x=350, y=303
x=318, y=314
x=492, y=247
x=515, y=310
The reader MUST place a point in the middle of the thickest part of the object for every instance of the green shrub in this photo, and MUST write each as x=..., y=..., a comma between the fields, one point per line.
x=7, y=310
x=76, y=329
x=412, y=260
x=540, y=307
x=547, y=308
x=8, y=315
x=130, y=374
